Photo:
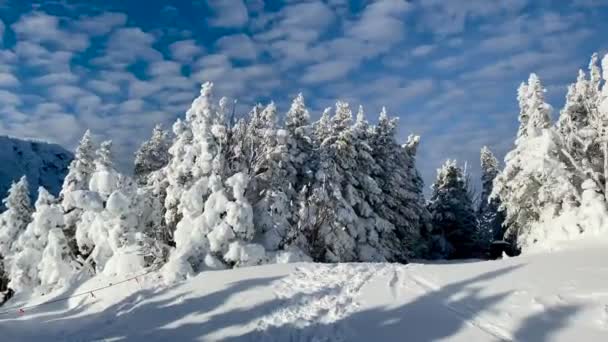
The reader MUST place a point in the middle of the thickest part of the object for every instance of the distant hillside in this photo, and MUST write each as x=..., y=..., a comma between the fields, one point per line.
x=44, y=164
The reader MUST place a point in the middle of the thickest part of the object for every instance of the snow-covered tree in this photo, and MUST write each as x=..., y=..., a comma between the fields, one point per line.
x=489, y=217
x=30, y=245
x=194, y=153
x=76, y=185
x=535, y=182
x=377, y=238
x=57, y=268
x=216, y=232
x=451, y=208
x=332, y=233
x=105, y=179
x=208, y=218
x=82, y=167
x=152, y=155
x=583, y=129
x=13, y=222
x=402, y=201
x=300, y=142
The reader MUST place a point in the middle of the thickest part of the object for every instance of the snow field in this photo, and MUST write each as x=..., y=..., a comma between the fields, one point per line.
x=529, y=298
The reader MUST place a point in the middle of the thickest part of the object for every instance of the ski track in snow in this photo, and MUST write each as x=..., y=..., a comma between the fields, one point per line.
x=320, y=297
x=487, y=327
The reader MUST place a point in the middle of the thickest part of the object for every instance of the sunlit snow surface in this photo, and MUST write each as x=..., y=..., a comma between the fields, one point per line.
x=558, y=296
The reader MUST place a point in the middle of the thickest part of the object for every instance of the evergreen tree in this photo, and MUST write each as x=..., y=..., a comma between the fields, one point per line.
x=76, y=182
x=81, y=168
x=535, y=182
x=377, y=238
x=30, y=245
x=300, y=142
x=194, y=153
x=402, y=201
x=57, y=268
x=13, y=223
x=326, y=220
x=213, y=226
x=105, y=179
x=152, y=155
x=451, y=208
x=489, y=217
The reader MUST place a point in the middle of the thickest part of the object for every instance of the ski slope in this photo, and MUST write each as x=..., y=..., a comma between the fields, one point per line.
x=559, y=296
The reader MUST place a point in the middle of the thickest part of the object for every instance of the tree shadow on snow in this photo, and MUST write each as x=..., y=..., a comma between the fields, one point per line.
x=156, y=315
x=439, y=314
x=134, y=319
x=543, y=325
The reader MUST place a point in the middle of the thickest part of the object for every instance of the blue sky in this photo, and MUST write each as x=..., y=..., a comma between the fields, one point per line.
x=448, y=69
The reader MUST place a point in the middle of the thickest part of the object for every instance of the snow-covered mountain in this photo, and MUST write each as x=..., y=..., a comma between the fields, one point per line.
x=559, y=296
x=44, y=164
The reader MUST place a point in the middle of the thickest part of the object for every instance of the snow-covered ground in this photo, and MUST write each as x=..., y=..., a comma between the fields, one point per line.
x=558, y=296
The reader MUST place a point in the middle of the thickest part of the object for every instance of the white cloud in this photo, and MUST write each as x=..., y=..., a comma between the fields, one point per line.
x=138, y=89
x=44, y=108
x=44, y=28
x=185, y=50
x=55, y=78
x=238, y=46
x=126, y=46
x=381, y=22
x=423, y=50
x=159, y=68
x=328, y=71
x=36, y=55
x=450, y=17
x=131, y=106
x=8, y=80
x=103, y=87
x=306, y=21
x=66, y=93
x=8, y=98
x=231, y=13
x=101, y=24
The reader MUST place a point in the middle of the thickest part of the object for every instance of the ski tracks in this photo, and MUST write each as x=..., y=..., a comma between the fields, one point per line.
x=467, y=315
x=315, y=299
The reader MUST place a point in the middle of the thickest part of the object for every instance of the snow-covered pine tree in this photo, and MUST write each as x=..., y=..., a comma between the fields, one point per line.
x=75, y=185
x=213, y=226
x=451, y=208
x=377, y=238
x=152, y=155
x=150, y=165
x=57, y=268
x=13, y=222
x=273, y=213
x=583, y=127
x=105, y=179
x=535, y=182
x=81, y=168
x=489, y=217
x=192, y=153
x=30, y=245
x=300, y=142
x=402, y=202
x=326, y=219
